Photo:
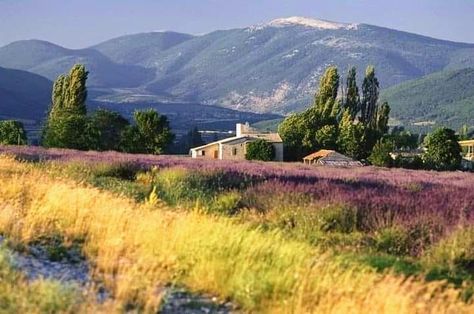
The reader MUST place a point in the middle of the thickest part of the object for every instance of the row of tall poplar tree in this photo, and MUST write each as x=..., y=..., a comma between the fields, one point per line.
x=69, y=126
x=340, y=118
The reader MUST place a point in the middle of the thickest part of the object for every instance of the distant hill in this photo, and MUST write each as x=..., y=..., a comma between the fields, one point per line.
x=139, y=49
x=271, y=68
x=23, y=95
x=49, y=60
x=443, y=98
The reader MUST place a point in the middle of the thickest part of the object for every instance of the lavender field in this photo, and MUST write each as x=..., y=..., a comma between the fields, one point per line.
x=435, y=203
x=409, y=224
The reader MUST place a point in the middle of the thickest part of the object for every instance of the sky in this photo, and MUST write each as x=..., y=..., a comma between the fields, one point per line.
x=82, y=23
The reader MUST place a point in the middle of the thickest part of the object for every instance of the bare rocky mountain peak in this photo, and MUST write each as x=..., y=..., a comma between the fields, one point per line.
x=310, y=22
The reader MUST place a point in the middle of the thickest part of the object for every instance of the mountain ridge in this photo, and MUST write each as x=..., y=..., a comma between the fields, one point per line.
x=265, y=69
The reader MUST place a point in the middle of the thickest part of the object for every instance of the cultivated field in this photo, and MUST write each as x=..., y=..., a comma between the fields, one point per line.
x=263, y=237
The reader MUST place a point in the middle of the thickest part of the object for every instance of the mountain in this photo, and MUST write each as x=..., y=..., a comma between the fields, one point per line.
x=23, y=95
x=269, y=68
x=49, y=60
x=443, y=98
x=140, y=48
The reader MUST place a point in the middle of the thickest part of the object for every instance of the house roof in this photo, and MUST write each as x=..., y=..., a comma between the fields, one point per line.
x=216, y=142
x=319, y=154
x=270, y=137
x=466, y=143
x=332, y=158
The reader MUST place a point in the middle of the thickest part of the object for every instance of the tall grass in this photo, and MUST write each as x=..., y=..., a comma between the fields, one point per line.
x=17, y=295
x=136, y=248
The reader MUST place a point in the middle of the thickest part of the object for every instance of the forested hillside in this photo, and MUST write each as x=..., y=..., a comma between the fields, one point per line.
x=443, y=98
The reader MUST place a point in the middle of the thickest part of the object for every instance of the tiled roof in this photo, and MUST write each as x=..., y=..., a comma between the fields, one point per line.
x=319, y=154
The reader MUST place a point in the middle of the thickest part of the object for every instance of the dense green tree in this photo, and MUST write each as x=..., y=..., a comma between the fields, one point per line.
x=104, y=130
x=464, y=133
x=67, y=123
x=299, y=131
x=443, y=151
x=352, y=137
x=375, y=130
x=352, y=98
x=12, y=133
x=327, y=137
x=260, y=150
x=402, y=139
x=380, y=155
x=131, y=141
x=370, y=96
x=293, y=130
x=151, y=133
x=323, y=126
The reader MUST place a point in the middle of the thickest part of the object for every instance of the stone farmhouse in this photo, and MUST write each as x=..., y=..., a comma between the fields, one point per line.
x=235, y=148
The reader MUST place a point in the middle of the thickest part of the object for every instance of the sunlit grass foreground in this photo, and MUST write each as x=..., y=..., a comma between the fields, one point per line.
x=135, y=249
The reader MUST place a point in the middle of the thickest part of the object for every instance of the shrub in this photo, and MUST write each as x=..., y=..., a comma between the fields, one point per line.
x=454, y=253
x=392, y=240
x=225, y=203
x=415, y=163
x=410, y=240
x=260, y=150
x=380, y=156
x=12, y=133
x=341, y=219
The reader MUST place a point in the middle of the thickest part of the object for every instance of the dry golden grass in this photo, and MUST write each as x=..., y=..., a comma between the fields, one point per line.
x=136, y=248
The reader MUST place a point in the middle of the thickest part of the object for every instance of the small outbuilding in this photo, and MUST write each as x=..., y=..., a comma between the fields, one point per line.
x=330, y=158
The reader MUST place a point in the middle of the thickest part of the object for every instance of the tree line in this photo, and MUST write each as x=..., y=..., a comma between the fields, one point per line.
x=354, y=122
x=68, y=124
x=340, y=118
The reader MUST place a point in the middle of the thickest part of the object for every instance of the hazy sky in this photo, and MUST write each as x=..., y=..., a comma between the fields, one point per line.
x=79, y=23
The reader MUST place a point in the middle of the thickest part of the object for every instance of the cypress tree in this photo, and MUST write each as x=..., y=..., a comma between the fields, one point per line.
x=370, y=96
x=325, y=98
x=352, y=98
x=67, y=119
x=76, y=93
x=383, y=113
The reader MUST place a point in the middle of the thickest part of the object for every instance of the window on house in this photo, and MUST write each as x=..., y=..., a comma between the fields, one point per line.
x=203, y=153
x=234, y=151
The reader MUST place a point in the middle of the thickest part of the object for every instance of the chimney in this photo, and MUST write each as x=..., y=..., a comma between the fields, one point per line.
x=242, y=129
x=238, y=129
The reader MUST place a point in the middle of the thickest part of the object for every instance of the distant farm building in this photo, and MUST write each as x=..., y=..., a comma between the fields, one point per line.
x=331, y=158
x=468, y=153
x=235, y=148
x=407, y=154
